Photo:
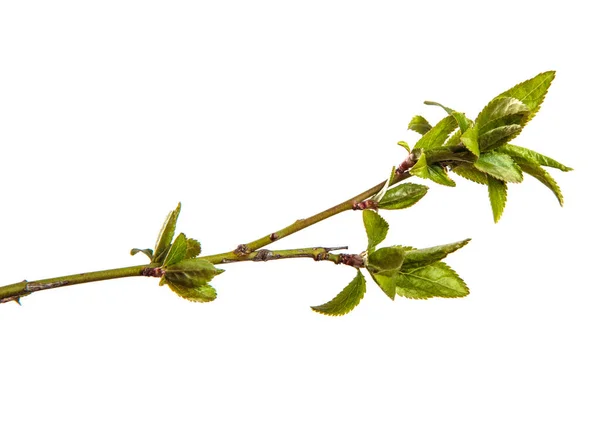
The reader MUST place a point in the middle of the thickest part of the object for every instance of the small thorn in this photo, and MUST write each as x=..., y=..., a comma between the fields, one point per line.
x=18, y=300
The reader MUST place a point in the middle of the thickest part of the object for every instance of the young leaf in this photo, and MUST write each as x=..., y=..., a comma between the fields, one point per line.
x=532, y=92
x=470, y=173
x=203, y=293
x=501, y=111
x=432, y=172
x=193, y=248
x=386, y=259
x=470, y=138
x=461, y=119
x=386, y=283
x=377, y=197
x=404, y=145
x=191, y=273
x=434, y=280
x=347, y=299
x=454, y=139
x=177, y=251
x=500, y=166
x=402, y=196
x=165, y=237
x=376, y=228
x=147, y=252
x=497, y=191
x=419, y=125
x=421, y=257
x=542, y=175
x=437, y=135
x=521, y=153
x=498, y=136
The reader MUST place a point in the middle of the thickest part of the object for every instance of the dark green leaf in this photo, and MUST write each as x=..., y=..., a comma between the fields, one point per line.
x=376, y=228
x=402, y=196
x=498, y=136
x=500, y=166
x=386, y=283
x=419, y=124
x=193, y=248
x=386, y=259
x=432, y=172
x=203, y=293
x=531, y=157
x=471, y=139
x=461, y=119
x=433, y=280
x=532, y=92
x=422, y=257
x=165, y=237
x=177, y=251
x=470, y=173
x=347, y=299
x=191, y=273
x=404, y=145
x=498, y=193
x=147, y=252
x=542, y=175
x=437, y=135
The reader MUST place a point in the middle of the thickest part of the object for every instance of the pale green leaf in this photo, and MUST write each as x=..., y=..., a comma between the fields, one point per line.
x=532, y=92
x=498, y=136
x=347, y=299
x=536, y=171
x=177, y=251
x=500, y=166
x=434, y=280
x=377, y=197
x=421, y=257
x=470, y=138
x=386, y=259
x=461, y=119
x=433, y=172
x=165, y=237
x=454, y=139
x=203, y=293
x=419, y=125
x=531, y=157
x=193, y=248
x=376, y=228
x=470, y=173
x=147, y=252
x=402, y=196
x=191, y=272
x=386, y=283
x=501, y=111
x=498, y=193
x=404, y=145
x=437, y=135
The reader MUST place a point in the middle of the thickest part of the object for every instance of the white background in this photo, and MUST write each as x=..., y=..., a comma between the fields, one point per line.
x=254, y=114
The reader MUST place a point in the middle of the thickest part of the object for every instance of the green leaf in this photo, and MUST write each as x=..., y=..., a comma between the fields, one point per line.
x=203, y=293
x=376, y=228
x=377, y=197
x=193, y=248
x=386, y=259
x=498, y=193
x=421, y=257
x=498, y=136
x=386, y=283
x=165, y=237
x=177, y=251
x=470, y=173
x=542, y=175
x=191, y=273
x=437, y=135
x=432, y=172
x=419, y=125
x=147, y=252
x=521, y=153
x=470, y=138
x=532, y=92
x=501, y=111
x=347, y=299
x=500, y=166
x=404, y=145
x=454, y=139
x=461, y=119
x=402, y=196
x=433, y=280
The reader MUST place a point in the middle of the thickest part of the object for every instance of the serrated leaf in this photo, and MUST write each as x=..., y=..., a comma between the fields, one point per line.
x=532, y=92
x=376, y=228
x=190, y=273
x=203, y=293
x=470, y=138
x=421, y=257
x=531, y=157
x=404, y=145
x=461, y=119
x=419, y=125
x=433, y=280
x=438, y=134
x=386, y=259
x=165, y=237
x=147, y=252
x=498, y=136
x=433, y=172
x=177, y=251
x=499, y=165
x=470, y=173
x=347, y=299
x=193, y=248
x=454, y=139
x=386, y=283
x=498, y=193
x=402, y=196
x=539, y=173
x=501, y=111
